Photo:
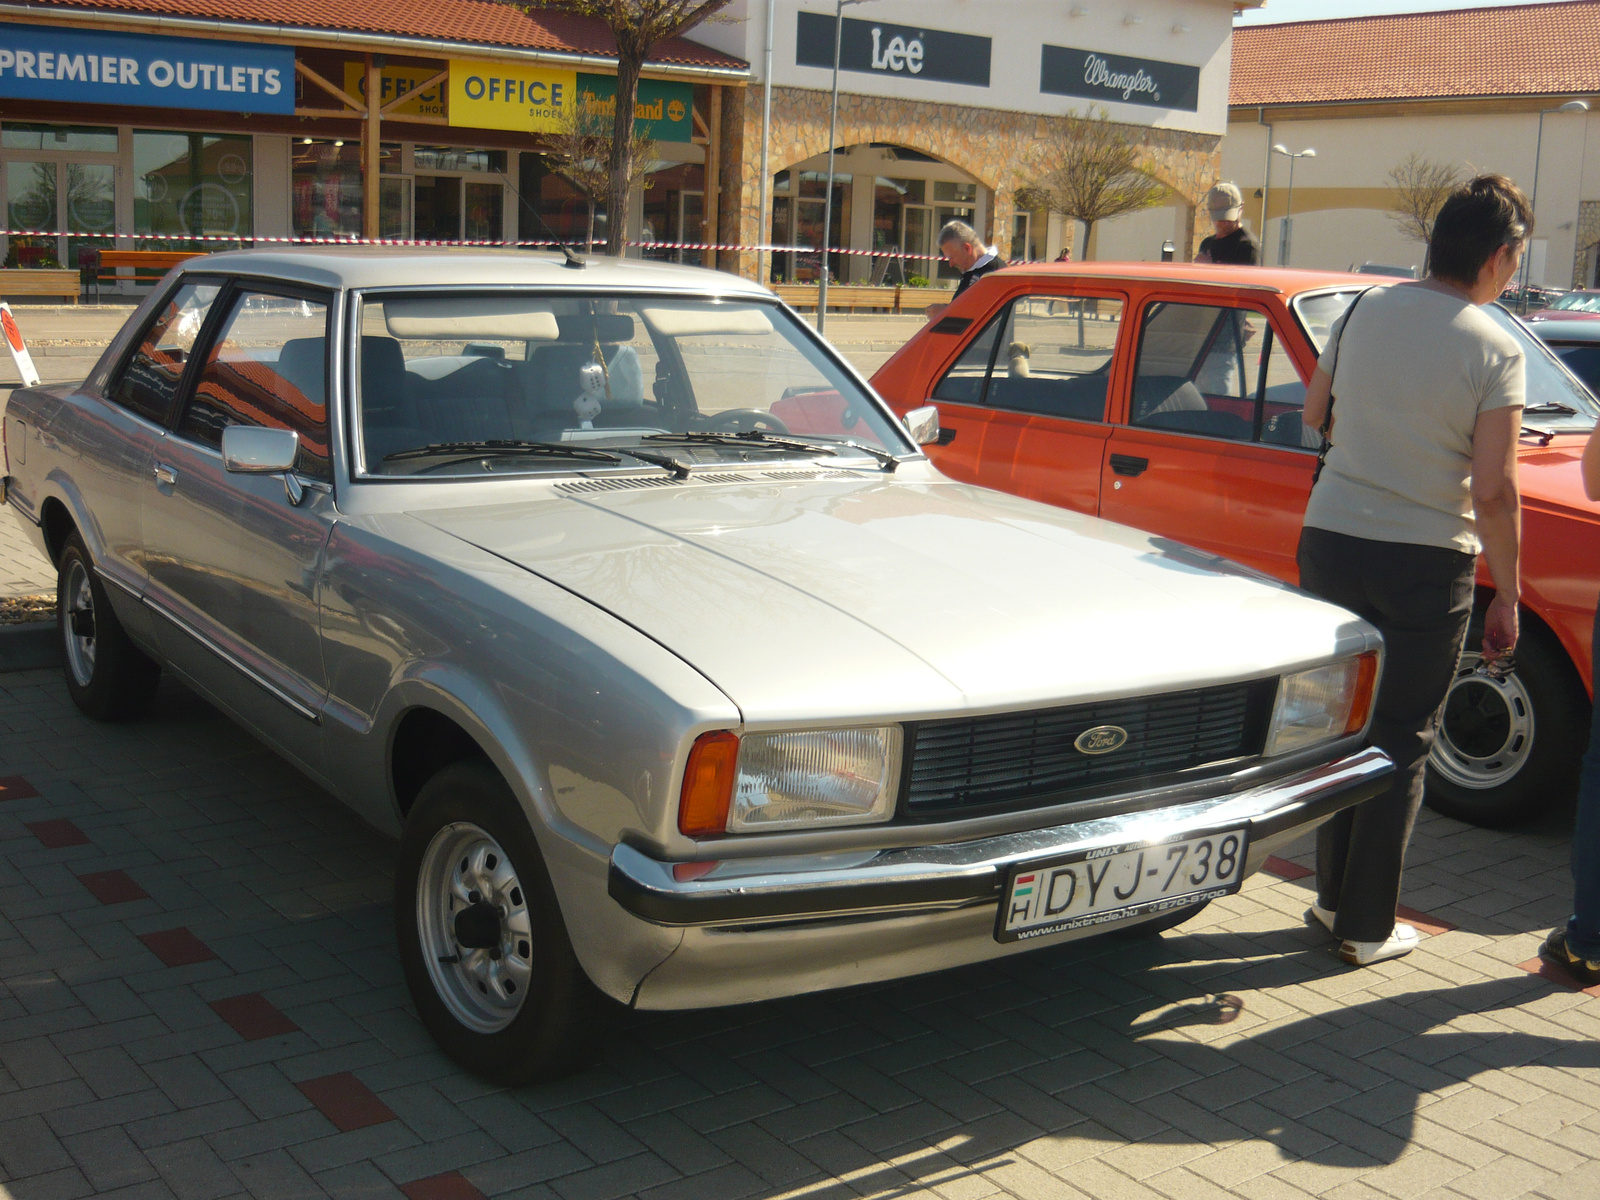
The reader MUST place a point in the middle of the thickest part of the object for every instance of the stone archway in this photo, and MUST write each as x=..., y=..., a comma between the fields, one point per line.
x=991, y=145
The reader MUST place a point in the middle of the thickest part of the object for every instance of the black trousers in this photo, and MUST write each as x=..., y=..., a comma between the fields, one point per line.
x=1420, y=598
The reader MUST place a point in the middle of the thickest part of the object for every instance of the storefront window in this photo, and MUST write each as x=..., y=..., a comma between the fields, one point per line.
x=327, y=188
x=484, y=208
x=561, y=203
x=674, y=210
x=449, y=158
x=92, y=138
x=959, y=193
x=191, y=183
x=394, y=208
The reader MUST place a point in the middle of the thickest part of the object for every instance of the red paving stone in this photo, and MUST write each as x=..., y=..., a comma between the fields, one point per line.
x=347, y=1102
x=113, y=887
x=53, y=835
x=452, y=1185
x=15, y=787
x=1284, y=869
x=177, y=947
x=1554, y=974
x=1432, y=926
x=253, y=1016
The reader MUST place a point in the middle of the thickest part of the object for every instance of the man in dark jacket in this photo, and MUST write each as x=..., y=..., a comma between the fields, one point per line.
x=965, y=251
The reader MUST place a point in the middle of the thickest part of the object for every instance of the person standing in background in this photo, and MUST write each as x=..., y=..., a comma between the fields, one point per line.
x=964, y=250
x=1575, y=948
x=1230, y=242
x=1421, y=476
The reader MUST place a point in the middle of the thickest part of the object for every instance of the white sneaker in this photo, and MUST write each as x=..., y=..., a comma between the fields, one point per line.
x=1322, y=916
x=1402, y=941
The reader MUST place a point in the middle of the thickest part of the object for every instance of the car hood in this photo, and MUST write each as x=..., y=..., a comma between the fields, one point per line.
x=1552, y=475
x=889, y=596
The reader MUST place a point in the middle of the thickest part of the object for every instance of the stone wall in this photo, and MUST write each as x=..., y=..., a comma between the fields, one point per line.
x=995, y=147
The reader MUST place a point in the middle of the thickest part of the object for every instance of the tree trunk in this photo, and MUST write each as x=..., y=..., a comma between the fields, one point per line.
x=1088, y=228
x=630, y=57
x=588, y=247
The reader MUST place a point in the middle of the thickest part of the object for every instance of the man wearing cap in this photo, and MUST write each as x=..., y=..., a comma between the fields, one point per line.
x=1230, y=242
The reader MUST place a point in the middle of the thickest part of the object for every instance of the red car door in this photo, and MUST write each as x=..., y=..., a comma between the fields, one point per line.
x=1026, y=398
x=1209, y=448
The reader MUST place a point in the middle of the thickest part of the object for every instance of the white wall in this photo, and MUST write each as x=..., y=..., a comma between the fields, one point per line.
x=1359, y=152
x=272, y=170
x=1193, y=32
x=1136, y=237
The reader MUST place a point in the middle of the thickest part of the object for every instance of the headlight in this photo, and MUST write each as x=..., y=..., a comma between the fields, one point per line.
x=1322, y=704
x=798, y=780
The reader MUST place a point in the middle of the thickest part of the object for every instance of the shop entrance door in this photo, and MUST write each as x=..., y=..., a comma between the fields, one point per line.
x=52, y=193
x=437, y=207
x=919, y=231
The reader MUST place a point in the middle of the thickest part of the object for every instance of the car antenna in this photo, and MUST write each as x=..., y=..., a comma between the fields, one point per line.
x=573, y=260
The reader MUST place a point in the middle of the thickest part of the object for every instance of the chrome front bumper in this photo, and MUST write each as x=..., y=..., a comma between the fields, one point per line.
x=746, y=892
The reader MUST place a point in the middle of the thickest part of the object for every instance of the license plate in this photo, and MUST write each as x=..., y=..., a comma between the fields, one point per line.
x=1114, y=883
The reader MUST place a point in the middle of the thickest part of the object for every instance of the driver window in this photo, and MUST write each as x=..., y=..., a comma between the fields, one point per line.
x=1199, y=370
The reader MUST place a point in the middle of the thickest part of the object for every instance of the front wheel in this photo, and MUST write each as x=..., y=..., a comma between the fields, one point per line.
x=1509, y=749
x=484, y=949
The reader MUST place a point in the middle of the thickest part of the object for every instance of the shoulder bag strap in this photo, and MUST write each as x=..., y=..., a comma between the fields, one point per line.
x=1327, y=417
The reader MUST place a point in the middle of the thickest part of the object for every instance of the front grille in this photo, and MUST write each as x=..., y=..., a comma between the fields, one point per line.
x=1022, y=759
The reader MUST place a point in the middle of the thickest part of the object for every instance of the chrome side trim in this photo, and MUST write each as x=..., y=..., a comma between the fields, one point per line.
x=249, y=673
x=743, y=891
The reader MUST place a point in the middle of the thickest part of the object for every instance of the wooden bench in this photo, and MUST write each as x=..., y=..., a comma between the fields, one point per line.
x=154, y=263
x=845, y=297
x=40, y=281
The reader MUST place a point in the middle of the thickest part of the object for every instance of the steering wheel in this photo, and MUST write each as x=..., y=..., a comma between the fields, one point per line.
x=742, y=420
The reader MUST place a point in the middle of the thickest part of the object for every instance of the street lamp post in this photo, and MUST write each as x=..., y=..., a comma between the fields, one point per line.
x=1571, y=106
x=833, y=132
x=1288, y=204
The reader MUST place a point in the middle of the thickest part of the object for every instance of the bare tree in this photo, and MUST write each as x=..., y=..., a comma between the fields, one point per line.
x=637, y=25
x=1092, y=172
x=1420, y=188
x=580, y=150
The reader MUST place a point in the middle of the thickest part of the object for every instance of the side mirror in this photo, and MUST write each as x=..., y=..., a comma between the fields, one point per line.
x=923, y=424
x=255, y=450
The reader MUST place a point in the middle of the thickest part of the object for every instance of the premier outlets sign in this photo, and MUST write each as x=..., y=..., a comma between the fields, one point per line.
x=92, y=67
x=1093, y=75
x=903, y=51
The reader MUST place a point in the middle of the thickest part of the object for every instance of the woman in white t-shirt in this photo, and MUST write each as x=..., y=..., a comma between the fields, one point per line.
x=1421, y=477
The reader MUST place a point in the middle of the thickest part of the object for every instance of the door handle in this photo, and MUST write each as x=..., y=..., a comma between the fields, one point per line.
x=165, y=474
x=1128, y=464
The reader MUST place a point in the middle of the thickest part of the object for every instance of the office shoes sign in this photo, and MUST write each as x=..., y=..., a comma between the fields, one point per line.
x=902, y=51
x=1115, y=78
x=88, y=66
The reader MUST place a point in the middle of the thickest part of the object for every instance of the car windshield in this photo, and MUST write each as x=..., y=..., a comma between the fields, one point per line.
x=1577, y=302
x=472, y=384
x=1551, y=386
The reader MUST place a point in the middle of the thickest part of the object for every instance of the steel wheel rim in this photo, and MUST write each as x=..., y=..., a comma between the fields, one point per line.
x=485, y=987
x=1486, y=734
x=79, y=599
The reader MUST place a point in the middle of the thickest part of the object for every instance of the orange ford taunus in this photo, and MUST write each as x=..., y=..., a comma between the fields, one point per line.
x=1169, y=397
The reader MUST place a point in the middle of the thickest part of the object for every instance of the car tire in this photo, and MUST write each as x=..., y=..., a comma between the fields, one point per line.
x=492, y=971
x=108, y=677
x=1508, y=751
x=1158, y=925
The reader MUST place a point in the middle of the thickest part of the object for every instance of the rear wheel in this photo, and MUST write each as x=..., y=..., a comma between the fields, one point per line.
x=1509, y=749
x=108, y=677
x=485, y=951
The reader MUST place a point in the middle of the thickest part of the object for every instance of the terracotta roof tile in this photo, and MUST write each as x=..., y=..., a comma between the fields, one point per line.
x=1525, y=50
x=478, y=21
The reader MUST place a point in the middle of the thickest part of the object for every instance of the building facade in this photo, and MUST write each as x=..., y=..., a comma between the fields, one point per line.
x=170, y=124
x=947, y=107
x=1473, y=90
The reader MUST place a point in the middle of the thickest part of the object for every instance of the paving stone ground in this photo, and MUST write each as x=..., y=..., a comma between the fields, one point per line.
x=199, y=998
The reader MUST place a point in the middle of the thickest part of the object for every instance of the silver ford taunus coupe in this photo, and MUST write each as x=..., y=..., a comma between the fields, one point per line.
x=681, y=674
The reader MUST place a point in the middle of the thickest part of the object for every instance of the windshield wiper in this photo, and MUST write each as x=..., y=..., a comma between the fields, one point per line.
x=888, y=459
x=506, y=446
x=1551, y=406
x=679, y=468
x=753, y=437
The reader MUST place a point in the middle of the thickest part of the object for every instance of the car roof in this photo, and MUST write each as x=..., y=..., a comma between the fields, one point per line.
x=1286, y=281
x=393, y=266
x=1551, y=329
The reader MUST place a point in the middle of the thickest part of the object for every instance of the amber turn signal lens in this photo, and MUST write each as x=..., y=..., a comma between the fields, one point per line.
x=1366, y=689
x=708, y=783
